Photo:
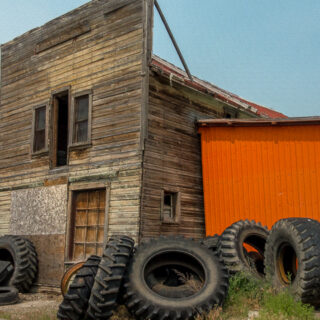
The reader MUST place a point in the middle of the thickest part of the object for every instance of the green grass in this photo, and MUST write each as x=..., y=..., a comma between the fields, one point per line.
x=249, y=293
x=283, y=305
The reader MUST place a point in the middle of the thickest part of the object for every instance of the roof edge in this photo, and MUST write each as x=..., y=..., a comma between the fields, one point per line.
x=173, y=71
x=258, y=122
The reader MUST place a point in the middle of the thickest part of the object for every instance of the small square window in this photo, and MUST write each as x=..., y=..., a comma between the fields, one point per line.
x=39, y=129
x=170, y=207
x=230, y=113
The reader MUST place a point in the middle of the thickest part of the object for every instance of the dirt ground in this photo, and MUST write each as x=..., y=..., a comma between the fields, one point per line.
x=39, y=306
x=43, y=306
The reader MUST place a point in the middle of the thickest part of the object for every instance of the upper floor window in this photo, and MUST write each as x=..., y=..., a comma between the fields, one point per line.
x=81, y=119
x=80, y=132
x=230, y=112
x=39, y=142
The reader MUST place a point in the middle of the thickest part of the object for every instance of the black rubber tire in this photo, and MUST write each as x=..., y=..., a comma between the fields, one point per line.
x=75, y=302
x=171, y=253
x=212, y=243
x=233, y=253
x=293, y=247
x=21, y=253
x=33, y=264
x=109, y=278
x=8, y=295
x=6, y=270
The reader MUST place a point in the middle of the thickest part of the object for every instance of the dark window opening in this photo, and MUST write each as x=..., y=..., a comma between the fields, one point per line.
x=39, y=142
x=80, y=132
x=61, y=120
x=230, y=113
x=170, y=207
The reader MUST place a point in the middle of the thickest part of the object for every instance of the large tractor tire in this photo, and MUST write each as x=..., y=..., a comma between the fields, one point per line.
x=8, y=295
x=109, y=278
x=174, y=278
x=22, y=255
x=212, y=243
x=292, y=258
x=33, y=263
x=75, y=301
x=6, y=270
x=242, y=247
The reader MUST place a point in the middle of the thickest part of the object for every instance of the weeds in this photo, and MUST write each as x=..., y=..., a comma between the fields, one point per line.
x=249, y=293
x=282, y=305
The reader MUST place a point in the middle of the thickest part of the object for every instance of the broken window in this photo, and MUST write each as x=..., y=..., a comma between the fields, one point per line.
x=60, y=129
x=170, y=207
x=81, y=119
x=87, y=224
x=39, y=129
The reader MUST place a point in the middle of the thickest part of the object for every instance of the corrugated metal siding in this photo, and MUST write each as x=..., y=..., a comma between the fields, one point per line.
x=260, y=173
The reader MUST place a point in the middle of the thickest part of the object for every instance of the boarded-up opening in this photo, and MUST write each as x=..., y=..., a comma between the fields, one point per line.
x=87, y=224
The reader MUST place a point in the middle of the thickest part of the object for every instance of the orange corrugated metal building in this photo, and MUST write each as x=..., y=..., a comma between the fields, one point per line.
x=260, y=169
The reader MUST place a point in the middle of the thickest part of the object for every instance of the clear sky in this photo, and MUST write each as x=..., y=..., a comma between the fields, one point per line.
x=266, y=51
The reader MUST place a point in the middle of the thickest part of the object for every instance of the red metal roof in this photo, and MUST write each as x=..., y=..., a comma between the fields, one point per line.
x=174, y=72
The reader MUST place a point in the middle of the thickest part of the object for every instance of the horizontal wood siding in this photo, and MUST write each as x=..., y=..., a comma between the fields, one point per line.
x=96, y=47
x=5, y=205
x=172, y=158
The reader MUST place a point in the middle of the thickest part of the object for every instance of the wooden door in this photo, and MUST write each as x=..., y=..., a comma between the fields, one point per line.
x=88, y=221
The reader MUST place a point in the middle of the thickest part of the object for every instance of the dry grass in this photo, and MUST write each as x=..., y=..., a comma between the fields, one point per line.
x=28, y=315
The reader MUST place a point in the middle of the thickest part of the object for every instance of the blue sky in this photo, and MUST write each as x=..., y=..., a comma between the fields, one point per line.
x=267, y=51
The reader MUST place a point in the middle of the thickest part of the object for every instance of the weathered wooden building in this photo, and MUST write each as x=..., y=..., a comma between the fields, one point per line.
x=98, y=136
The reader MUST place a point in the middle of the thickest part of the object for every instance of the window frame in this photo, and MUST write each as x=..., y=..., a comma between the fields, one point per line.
x=73, y=189
x=177, y=216
x=227, y=110
x=55, y=94
x=87, y=143
x=44, y=150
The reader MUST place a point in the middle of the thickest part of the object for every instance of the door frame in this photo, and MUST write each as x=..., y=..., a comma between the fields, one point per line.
x=78, y=187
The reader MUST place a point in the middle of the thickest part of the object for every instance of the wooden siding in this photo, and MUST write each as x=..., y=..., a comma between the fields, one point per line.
x=5, y=205
x=172, y=157
x=96, y=47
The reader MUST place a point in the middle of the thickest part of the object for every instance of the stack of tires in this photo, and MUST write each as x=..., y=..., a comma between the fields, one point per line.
x=178, y=278
x=292, y=258
x=288, y=256
x=164, y=278
x=18, y=267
